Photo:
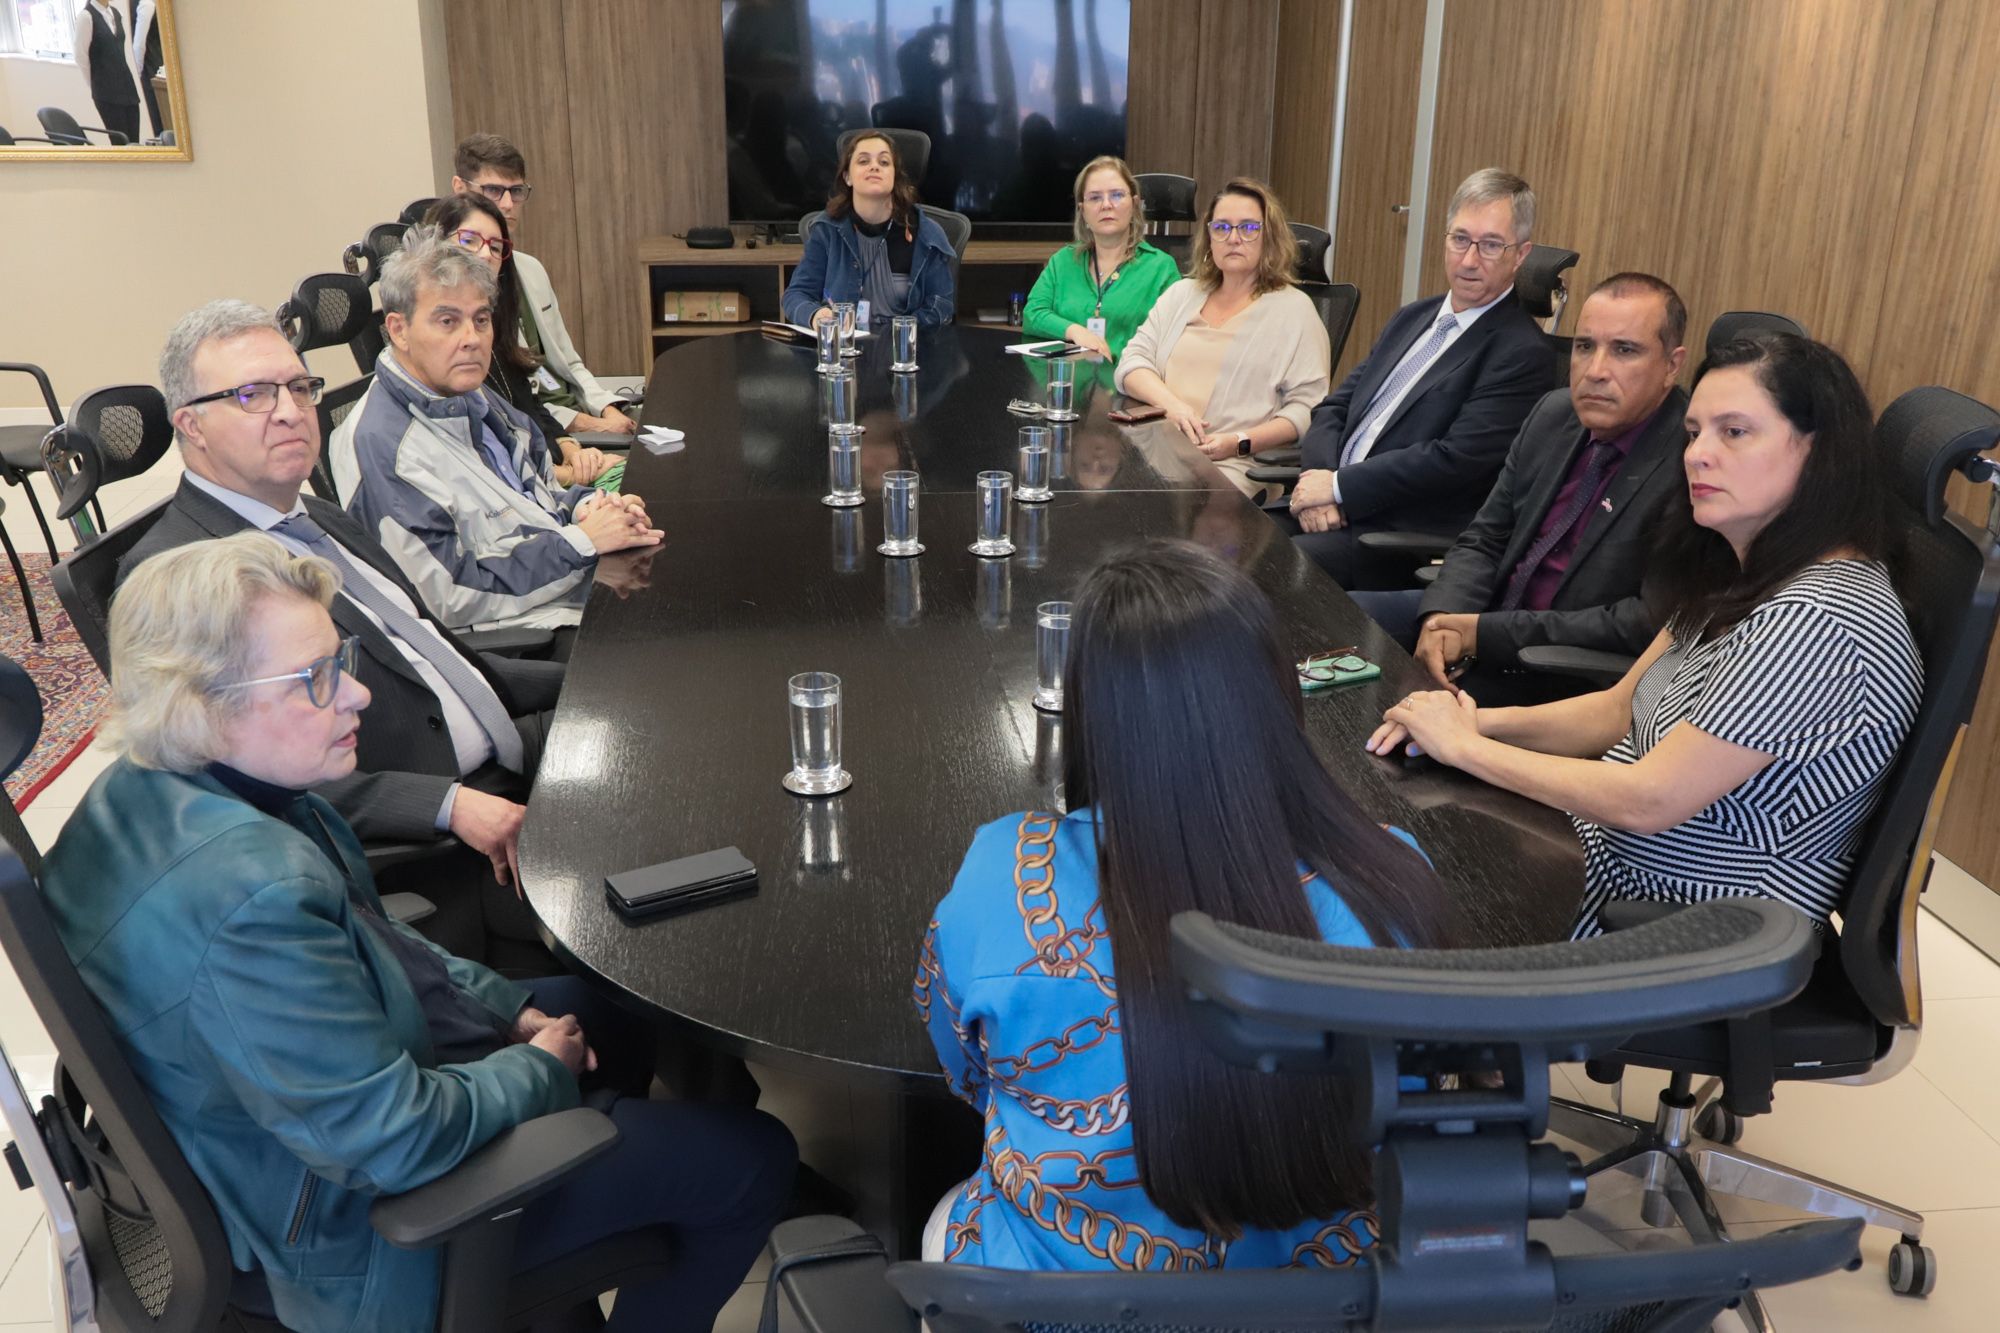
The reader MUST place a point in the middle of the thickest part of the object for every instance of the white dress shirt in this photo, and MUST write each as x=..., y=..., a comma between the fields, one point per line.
x=468, y=739
x=1365, y=442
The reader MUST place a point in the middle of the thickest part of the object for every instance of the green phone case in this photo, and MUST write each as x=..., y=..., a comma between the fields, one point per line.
x=1368, y=671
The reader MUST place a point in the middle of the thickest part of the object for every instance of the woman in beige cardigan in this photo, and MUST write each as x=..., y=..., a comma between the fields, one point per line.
x=1235, y=353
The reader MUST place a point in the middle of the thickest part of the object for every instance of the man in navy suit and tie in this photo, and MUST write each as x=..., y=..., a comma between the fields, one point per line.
x=1413, y=438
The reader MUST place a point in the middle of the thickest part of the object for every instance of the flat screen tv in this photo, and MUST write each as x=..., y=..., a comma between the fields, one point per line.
x=1016, y=96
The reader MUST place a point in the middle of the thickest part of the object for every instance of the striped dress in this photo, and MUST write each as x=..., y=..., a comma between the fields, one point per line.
x=1825, y=677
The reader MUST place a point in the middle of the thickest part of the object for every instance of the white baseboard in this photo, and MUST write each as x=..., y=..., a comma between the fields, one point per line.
x=1967, y=906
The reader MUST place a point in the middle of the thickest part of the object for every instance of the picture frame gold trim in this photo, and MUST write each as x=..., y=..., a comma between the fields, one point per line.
x=183, y=146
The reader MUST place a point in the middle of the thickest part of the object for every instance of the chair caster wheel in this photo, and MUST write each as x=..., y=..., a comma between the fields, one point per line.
x=1718, y=1125
x=1912, y=1269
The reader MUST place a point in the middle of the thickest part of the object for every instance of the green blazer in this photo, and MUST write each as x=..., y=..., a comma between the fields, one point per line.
x=1064, y=294
x=280, y=1040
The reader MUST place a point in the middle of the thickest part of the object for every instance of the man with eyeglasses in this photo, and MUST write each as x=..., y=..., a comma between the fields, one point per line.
x=452, y=738
x=490, y=165
x=1413, y=438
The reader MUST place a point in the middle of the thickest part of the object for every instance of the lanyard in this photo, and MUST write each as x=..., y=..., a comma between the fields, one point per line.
x=1103, y=284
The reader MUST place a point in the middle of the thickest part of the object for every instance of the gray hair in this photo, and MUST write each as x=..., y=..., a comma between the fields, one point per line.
x=218, y=321
x=427, y=257
x=183, y=625
x=1489, y=185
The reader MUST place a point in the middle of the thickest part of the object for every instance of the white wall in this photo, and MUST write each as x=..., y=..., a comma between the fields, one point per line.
x=311, y=122
x=28, y=84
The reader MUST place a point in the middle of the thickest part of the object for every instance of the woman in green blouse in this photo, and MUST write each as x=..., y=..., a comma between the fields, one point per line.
x=1098, y=292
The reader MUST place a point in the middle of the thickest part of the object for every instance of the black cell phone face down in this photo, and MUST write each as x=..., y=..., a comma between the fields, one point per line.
x=692, y=881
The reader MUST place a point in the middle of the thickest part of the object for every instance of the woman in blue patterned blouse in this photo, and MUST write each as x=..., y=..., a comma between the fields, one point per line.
x=1114, y=1139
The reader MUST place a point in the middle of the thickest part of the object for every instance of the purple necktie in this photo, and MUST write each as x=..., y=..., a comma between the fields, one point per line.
x=1594, y=468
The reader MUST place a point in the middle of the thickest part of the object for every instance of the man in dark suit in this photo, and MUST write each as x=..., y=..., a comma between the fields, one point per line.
x=451, y=738
x=1413, y=437
x=1559, y=550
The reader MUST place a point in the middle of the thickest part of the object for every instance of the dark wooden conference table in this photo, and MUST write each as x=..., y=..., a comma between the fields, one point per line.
x=672, y=732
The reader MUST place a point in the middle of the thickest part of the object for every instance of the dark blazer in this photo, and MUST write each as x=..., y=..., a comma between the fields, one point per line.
x=404, y=760
x=1598, y=604
x=1436, y=458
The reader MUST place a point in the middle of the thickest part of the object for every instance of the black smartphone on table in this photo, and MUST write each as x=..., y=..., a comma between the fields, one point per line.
x=691, y=881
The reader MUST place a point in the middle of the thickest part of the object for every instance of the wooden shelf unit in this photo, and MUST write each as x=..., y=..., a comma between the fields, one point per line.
x=989, y=273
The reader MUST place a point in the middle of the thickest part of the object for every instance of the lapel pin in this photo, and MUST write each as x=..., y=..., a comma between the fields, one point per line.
x=1606, y=502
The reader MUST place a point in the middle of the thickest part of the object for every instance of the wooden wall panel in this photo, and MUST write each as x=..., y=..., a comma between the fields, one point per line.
x=506, y=80
x=1235, y=80
x=1159, y=111
x=1375, y=168
x=1302, y=131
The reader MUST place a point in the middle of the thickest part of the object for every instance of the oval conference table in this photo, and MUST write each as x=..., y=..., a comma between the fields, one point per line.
x=672, y=732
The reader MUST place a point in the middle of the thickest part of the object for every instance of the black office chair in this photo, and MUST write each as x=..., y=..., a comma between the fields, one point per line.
x=413, y=212
x=326, y=310
x=913, y=147
x=367, y=255
x=1858, y=1019
x=113, y=434
x=1336, y=303
x=8, y=140
x=1170, y=198
x=334, y=407
x=21, y=446
x=958, y=230
x=1459, y=1173
x=1315, y=253
x=1734, y=325
x=61, y=127
x=20, y=729
x=1543, y=294
x=139, y=1239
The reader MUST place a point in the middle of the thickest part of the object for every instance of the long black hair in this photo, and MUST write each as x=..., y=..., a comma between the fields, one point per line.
x=1839, y=504
x=449, y=214
x=1184, y=727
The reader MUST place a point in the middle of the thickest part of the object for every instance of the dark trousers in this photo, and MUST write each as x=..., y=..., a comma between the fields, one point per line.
x=719, y=1175
x=121, y=117
x=1343, y=557
x=1395, y=612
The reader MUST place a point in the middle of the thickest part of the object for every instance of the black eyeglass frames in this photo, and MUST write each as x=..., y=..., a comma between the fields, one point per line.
x=261, y=396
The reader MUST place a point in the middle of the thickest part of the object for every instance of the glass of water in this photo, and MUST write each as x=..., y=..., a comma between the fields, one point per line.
x=843, y=468
x=840, y=392
x=1062, y=389
x=899, y=514
x=844, y=314
x=1034, y=466
x=1051, y=647
x=815, y=707
x=903, y=334
x=996, y=490
x=827, y=332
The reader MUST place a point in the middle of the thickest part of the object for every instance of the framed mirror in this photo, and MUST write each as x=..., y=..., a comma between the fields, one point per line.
x=91, y=81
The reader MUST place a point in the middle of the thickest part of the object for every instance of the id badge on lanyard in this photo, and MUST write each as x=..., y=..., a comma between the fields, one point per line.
x=861, y=312
x=1096, y=325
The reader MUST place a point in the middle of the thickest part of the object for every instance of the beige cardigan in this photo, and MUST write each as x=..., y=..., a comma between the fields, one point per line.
x=1277, y=367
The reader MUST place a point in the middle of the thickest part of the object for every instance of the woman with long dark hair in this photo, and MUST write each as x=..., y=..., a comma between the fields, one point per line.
x=475, y=222
x=1743, y=751
x=874, y=246
x=1114, y=1138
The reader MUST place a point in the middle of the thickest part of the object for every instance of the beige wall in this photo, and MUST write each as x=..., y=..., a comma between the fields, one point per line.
x=311, y=123
x=28, y=84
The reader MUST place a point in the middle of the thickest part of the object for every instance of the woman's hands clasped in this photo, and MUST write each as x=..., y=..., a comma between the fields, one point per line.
x=1433, y=722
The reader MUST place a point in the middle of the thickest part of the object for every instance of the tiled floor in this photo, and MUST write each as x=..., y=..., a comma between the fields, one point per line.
x=1928, y=1139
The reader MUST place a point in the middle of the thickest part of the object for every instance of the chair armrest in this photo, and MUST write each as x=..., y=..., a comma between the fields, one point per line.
x=408, y=908
x=1602, y=668
x=1289, y=456
x=1426, y=544
x=41, y=380
x=504, y=642
x=1286, y=475
x=382, y=855
x=1428, y=574
x=834, y=1275
x=517, y=1165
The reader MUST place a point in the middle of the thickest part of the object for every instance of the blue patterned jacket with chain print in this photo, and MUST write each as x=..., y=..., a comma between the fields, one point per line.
x=1017, y=987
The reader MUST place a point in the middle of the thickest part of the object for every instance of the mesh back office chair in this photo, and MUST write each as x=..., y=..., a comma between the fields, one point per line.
x=328, y=309
x=61, y=127
x=334, y=407
x=413, y=212
x=366, y=255
x=1734, y=325
x=113, y=434
x=1169, y=198
x=1450, y=1165
x=1859, y=1018
x=21, y=446
x=913, y=147
x=1315, y=253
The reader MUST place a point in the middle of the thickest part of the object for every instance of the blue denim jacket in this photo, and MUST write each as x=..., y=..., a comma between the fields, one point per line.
x=831, y=271
x=278, y=1037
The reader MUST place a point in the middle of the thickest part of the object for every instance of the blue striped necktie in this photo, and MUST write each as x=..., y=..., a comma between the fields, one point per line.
x=1392, y=388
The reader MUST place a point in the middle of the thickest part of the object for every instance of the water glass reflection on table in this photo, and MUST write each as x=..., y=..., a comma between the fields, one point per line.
x=994, y=597
x=846, y=540
x=903, y=336
x=827, y=336
x=1034, y=466
x=840, y=392
x=814, y=697
x=844, y=315
x=843, y=468
x=1062, y=389
x=899, y=514
x=1051, y=648
x=996, y=493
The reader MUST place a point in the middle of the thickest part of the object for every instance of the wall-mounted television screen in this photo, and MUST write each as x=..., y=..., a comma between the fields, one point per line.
x=1016, y=96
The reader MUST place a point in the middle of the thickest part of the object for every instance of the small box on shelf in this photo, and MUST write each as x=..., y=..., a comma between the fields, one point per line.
x=677, y=307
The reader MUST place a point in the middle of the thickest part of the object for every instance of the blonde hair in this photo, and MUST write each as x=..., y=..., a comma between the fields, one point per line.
x=1281, y=248
x=184, y=624
x=1134, y=231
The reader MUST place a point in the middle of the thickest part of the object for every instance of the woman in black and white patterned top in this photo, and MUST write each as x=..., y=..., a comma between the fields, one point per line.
x=1744, y=751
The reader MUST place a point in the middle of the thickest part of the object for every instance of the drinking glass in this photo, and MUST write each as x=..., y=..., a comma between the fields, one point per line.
x=1034, y=487
x=844, y=315
x=995, y=599
x=1051, y=647
x=899, y=514
x=827, y=332
x=903, y=334
x=996, y=489
x=1062, y=389
x=843, y=468
x=815, y=706
x=840, y=394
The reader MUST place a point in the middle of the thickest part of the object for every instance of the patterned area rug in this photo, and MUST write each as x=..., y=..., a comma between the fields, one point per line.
x=74, y=694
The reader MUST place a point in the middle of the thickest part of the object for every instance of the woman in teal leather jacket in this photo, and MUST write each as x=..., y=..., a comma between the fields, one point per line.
x=307, y=1053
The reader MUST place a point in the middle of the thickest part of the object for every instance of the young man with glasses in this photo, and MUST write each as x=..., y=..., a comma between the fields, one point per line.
x=490, y=165
x=1413, y=438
